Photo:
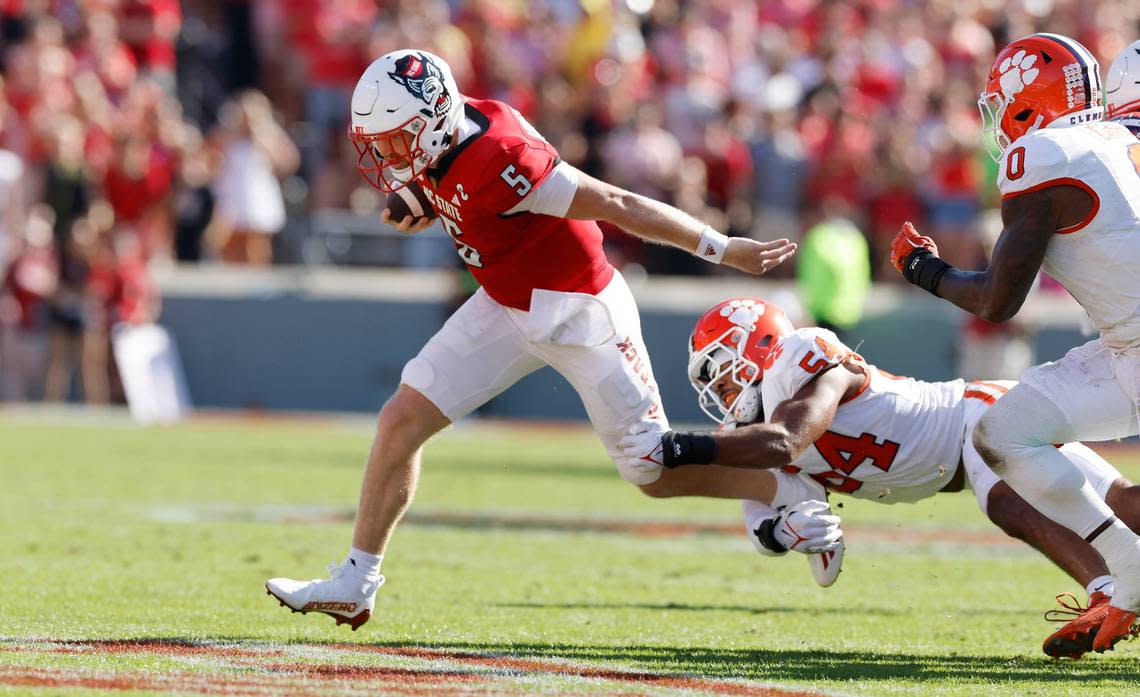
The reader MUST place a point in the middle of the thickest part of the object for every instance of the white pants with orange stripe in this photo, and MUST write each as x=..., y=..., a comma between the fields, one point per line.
x=979, y=396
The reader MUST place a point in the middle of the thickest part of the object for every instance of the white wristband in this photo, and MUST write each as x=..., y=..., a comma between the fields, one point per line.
x=712, y=245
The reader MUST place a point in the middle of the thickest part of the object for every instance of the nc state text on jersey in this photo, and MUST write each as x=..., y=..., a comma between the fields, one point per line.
x=448, y=208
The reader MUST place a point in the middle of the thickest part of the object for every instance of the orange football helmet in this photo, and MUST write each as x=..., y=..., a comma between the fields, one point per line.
x=1033, y=82
x=733, y=340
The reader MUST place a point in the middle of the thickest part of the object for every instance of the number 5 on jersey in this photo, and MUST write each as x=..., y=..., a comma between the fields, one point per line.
x=813, y=364
x=467, y=253
x=518, y=182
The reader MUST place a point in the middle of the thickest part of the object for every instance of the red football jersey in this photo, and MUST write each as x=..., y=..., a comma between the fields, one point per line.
x=472, y=187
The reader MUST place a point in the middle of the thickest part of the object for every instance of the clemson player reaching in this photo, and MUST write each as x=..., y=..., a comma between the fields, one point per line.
x=1070, y=187
x=524, y=223
x=818, y=418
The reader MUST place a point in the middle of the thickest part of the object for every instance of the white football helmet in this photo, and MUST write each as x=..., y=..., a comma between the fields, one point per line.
x=405, y=111
x=1122, y=86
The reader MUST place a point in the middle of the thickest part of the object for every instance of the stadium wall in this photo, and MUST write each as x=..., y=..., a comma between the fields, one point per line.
x=336, y=340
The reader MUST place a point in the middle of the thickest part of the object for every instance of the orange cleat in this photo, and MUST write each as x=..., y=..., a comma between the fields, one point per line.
x=1118, y=624
x=1076, y=638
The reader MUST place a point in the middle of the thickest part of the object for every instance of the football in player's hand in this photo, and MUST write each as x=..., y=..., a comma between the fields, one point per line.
x=410, y=200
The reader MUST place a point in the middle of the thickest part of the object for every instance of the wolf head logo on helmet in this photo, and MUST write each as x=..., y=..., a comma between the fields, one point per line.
x=1035, y=82
x=423, y=79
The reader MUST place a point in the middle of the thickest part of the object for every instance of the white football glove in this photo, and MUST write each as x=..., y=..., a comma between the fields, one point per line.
x=640, y=459
x=808, y=527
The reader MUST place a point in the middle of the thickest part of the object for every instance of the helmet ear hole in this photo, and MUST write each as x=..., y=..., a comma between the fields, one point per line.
x=1023, y=115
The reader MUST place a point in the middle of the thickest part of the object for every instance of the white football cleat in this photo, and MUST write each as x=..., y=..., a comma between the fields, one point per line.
x=346, y=596
x=825, y=566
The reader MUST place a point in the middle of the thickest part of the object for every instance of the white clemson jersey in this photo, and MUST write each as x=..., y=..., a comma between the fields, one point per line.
x=1098, y=258
x=896, y=440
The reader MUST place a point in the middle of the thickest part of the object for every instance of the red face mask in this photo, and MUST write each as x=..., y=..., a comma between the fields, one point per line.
x=391, y=160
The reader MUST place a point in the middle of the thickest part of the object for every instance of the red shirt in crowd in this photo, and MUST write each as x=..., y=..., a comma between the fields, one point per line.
x=131, y=195
x=123, y=289
x=956, y=174
x=31, y=277
x=318, y=28
x=729, y=169
x=162, y=18
x=891, y=207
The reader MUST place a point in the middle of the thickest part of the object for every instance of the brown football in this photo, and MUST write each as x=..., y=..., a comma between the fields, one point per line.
x=410, y=200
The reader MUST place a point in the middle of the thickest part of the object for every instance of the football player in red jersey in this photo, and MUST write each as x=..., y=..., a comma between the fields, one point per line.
x=524, y=222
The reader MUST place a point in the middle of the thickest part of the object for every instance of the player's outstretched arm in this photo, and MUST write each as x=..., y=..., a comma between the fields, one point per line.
x=795, y=424
x=659, y=222
x=998, y=292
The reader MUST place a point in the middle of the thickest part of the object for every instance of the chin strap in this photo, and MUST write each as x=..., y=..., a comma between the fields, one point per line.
x=746, y=407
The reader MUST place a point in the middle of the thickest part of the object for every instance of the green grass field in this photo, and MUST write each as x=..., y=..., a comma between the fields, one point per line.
x=134, y=559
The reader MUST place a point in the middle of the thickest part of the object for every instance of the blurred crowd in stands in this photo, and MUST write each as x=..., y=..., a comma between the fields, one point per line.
x=137, y=132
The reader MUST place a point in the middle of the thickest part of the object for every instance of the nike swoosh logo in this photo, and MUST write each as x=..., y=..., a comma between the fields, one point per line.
x=1106, y=583
x=392, y=110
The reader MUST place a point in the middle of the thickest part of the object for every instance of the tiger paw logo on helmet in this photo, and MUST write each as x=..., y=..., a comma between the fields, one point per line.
x=1017, y=71
x=423, y=78
x=743, y=313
